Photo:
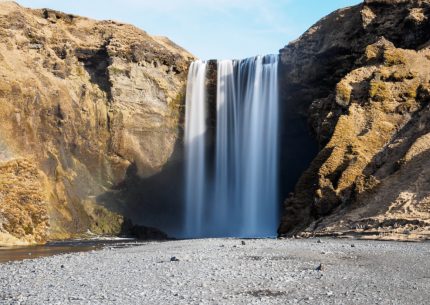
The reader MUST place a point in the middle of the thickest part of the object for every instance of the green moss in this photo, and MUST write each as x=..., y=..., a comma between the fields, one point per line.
x=105, y=222
x=117, y=71
x=80, y=71
x=379, y=91
x=401, y=74
x=393, y=57
x=372, y=52
x=343, y=93
x=385, y=73
x=411, y=91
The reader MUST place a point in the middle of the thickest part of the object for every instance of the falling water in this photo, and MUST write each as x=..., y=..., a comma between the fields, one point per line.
x=195, y=128
x=240, y=196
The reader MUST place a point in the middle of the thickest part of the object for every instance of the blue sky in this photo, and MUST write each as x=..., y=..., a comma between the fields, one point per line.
x=210, y=28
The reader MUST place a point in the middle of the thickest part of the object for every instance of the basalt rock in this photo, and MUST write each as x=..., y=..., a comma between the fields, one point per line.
x=82, y=102
x=361, y=76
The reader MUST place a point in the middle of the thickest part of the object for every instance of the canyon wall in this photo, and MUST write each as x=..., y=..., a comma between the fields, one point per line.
x=361, y=77
x=86, y=106
x=91, y=122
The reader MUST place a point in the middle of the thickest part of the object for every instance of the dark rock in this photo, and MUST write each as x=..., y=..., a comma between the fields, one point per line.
x=147, y=233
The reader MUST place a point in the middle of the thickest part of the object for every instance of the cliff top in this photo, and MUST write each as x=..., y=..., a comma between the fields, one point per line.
x=122, y=37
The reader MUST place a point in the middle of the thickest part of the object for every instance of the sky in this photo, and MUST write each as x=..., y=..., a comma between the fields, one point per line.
x=209, y=29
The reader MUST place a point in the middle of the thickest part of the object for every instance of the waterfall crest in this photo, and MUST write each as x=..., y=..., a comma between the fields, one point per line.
x=238, y=195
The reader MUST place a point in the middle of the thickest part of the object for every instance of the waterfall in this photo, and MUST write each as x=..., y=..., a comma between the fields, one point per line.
x=238, y=195
x=195, y=128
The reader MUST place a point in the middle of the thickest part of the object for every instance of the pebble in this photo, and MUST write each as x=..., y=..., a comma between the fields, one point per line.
x=210, y=274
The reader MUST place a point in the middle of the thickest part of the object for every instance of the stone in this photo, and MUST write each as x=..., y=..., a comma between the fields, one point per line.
x=319, y=268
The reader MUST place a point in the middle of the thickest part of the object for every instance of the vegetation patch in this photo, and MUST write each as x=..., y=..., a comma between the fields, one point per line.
x=379, y=91
x=411, y=91
x=373, y=52
x=117, y=71
x=401, y=75
x=23, y=201
x=408, y=106
x=343, y=93
x=103, y=221
x=393, y=57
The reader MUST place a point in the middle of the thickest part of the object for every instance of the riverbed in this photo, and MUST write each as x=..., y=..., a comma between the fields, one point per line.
x=18, y=253
x=226, y=271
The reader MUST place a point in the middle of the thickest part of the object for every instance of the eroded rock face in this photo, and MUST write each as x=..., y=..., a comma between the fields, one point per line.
x=81, y=102
x=362, y=74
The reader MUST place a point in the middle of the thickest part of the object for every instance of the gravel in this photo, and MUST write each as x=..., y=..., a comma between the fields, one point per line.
x=226, y=271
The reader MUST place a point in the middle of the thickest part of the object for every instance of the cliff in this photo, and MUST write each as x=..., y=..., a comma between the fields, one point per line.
x=361, y=77
x=83, y=104
x=91, y=119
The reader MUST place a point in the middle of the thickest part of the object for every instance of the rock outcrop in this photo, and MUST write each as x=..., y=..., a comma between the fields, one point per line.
x=82, y=102
x=361, y=76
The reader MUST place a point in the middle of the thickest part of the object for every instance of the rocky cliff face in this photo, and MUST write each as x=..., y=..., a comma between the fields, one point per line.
x=361, y=76
x=90, y=119
x=82, y=103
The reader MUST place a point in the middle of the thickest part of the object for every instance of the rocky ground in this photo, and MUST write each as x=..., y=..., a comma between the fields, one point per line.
x=231, y=271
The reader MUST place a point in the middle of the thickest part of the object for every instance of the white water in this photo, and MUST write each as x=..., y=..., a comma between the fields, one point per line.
x=195, y=128
x=240, y=196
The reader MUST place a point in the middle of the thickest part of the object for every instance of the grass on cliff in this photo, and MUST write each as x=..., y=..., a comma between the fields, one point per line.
x=343, y=93
x=379, y=91
x=393, y=57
